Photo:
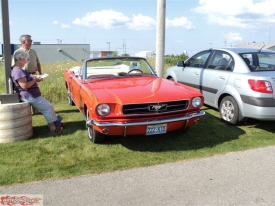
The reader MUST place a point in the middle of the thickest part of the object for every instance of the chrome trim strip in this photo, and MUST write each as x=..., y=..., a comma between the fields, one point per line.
x=161, y=121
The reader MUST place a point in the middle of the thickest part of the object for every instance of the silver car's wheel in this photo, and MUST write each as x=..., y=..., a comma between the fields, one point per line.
x=94, y=136
x=229, y=110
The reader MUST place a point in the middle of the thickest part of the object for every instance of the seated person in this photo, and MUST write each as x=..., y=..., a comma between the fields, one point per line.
x=26, y=86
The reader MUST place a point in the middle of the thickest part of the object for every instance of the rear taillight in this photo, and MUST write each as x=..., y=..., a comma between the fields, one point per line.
x=260, y=86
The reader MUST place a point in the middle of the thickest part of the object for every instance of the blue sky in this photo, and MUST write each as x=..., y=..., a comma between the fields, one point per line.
x=191, y=25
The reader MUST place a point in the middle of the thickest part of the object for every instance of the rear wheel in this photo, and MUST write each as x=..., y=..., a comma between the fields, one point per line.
x=94, y=136
x=70, y=100
x=229, y=110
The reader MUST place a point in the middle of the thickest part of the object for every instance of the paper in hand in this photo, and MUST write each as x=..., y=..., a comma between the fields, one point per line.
x=43, y=75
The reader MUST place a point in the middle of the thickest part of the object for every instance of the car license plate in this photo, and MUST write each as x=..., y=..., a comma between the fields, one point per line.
x=156, y=129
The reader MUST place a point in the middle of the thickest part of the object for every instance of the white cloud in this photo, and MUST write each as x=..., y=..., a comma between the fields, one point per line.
x=107, y=19
x=233, y=36
x=238, y=13
x=180, y=22
x=65, y=26
x=140, y=22
x=55, y=22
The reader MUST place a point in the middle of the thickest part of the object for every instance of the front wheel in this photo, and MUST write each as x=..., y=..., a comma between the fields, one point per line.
x=94, y=136
x=229, y=110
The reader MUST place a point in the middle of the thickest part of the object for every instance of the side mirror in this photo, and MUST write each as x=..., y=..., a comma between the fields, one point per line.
x=181, y=64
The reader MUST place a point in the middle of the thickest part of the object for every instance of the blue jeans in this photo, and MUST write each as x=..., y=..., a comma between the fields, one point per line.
x=44, y=106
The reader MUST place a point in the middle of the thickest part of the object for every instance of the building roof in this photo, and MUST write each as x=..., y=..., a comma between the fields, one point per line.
x=257, y=45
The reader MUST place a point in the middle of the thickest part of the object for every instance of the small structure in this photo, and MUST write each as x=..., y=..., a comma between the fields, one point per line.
x=145, y=54
x=95, y=54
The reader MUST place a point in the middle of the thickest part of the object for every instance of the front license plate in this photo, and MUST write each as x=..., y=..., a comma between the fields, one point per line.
x=156, y=129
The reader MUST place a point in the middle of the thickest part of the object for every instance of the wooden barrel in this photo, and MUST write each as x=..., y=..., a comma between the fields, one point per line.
x=15, y=122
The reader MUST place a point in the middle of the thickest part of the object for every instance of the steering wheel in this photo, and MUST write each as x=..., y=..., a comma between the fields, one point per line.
x=135, y=70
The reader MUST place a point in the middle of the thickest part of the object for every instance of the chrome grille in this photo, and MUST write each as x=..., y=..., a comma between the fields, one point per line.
x=154, y=107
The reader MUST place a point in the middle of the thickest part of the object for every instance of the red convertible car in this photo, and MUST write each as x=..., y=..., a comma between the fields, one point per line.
x=124, y=96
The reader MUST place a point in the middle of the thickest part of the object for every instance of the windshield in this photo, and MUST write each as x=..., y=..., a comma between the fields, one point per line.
x=260, y=61
x=117, y=67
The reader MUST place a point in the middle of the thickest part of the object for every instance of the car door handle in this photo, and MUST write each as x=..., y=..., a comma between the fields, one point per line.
x=196, y=73
x=222, y=77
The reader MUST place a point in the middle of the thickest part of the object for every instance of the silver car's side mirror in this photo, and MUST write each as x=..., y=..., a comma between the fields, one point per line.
x=181, y=64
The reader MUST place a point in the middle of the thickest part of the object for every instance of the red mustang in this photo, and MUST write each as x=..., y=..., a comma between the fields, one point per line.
x=124, y=96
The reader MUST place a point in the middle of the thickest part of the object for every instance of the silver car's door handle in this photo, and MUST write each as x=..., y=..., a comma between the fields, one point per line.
x=196, y=73
x=222, y=77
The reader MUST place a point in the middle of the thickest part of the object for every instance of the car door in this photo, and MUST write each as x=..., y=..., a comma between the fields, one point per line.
x=191, y=74
x=215, y=76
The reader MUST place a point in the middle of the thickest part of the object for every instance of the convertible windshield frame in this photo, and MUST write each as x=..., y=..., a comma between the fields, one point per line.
x=112, y=67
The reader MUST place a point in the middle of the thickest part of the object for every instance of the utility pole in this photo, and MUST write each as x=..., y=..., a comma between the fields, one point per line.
x=9, y=97
x=6, y=41
x=124, y=47
x=160, y=37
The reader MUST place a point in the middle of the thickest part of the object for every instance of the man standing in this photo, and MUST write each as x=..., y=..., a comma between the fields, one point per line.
x=33, y=65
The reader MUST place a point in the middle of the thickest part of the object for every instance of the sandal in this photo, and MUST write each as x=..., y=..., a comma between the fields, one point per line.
x=57, y=129
x=57, y=122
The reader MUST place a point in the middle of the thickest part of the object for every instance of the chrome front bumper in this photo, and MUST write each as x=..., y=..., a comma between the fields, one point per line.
x=161, y=121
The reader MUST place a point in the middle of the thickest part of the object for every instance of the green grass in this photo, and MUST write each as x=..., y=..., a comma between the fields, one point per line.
x=70, y=153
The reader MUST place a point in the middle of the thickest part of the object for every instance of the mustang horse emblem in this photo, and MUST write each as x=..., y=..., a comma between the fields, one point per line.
x=157, y=107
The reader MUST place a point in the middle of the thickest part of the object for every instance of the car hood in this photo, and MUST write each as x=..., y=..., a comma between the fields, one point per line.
x=139, y=89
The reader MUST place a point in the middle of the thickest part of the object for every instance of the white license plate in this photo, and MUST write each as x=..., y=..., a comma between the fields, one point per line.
x=156, y=129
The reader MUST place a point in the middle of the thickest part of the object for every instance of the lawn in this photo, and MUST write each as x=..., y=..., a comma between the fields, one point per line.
x=70, y=153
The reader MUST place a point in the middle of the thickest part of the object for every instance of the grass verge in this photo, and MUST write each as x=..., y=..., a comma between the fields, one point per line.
x=70, y=153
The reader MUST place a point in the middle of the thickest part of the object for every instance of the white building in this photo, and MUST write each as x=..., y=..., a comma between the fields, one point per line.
x=145, y=54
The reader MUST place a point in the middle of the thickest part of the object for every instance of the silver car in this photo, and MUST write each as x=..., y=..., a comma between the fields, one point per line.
x=237, y=81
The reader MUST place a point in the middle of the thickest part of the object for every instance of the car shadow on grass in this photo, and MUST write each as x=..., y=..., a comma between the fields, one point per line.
x=208, y=133
x=260, y=124
x=249, y=123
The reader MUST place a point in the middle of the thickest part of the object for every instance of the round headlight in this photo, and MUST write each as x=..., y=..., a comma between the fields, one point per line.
x=103, y=109
x=196, y=102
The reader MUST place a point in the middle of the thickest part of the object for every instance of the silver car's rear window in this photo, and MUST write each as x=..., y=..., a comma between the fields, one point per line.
x=260, y=61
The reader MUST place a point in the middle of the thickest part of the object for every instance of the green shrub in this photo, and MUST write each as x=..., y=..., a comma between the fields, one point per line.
x=172, y=60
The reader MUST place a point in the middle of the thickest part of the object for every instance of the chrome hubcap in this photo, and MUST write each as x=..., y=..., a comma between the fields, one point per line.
x=227, y=111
